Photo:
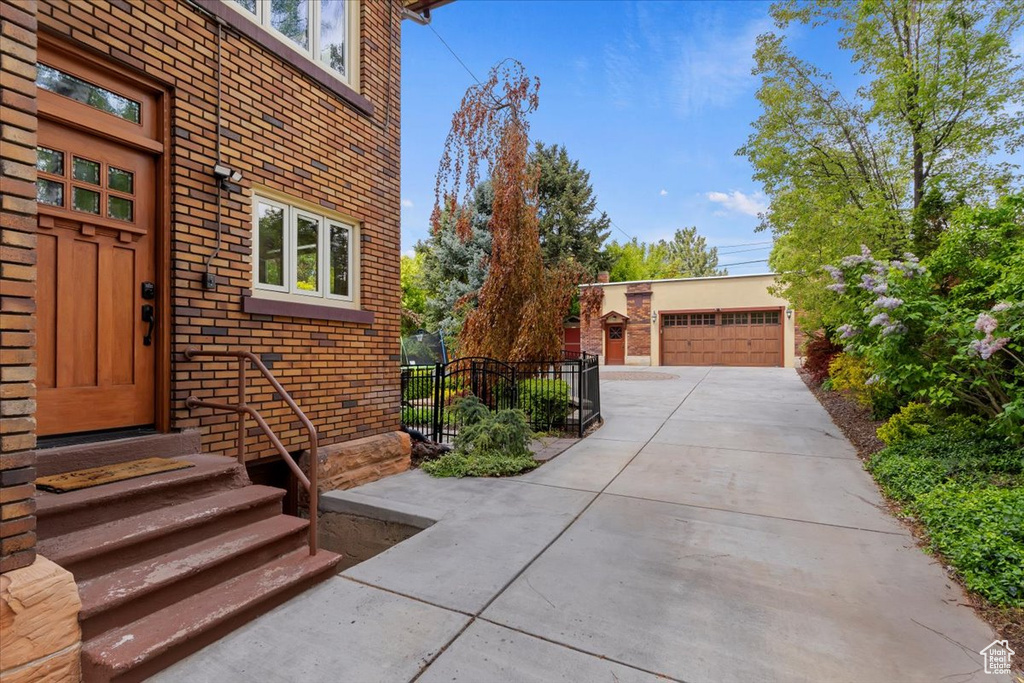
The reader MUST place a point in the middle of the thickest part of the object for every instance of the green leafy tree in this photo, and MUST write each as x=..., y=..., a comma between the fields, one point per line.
x=414, y=296
x=686, y=255
x=570, y=225
x=944, y=95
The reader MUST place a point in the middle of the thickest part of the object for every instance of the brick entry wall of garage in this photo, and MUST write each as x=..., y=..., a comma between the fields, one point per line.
x=638, y=330
x=283, y=131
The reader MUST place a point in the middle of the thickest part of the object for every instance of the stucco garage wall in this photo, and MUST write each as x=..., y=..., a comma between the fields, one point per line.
x=693, y=294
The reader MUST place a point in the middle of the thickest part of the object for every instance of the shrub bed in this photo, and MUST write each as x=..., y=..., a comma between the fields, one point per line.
x=487, y=445
x=968, y=493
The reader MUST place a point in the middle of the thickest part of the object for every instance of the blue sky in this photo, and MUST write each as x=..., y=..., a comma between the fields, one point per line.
x=653, y=98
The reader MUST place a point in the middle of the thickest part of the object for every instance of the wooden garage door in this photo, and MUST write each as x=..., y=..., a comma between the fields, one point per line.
x=740, y=338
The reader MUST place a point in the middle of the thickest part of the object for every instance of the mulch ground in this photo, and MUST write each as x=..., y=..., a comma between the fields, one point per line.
x=856, y=423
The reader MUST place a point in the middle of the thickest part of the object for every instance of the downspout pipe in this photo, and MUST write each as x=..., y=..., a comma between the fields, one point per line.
x=421, y=18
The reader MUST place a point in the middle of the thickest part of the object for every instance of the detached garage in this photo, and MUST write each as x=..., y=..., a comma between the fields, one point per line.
x=731, y=320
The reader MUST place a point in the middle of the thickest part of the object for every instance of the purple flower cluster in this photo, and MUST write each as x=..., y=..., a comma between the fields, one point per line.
x=988, y=345
x=857, y=259
x=888, y=325
x=848, y=331
x=888, y=303
x=869, y=283
x=910, y=266
x=1001, y=306
x=837, y=287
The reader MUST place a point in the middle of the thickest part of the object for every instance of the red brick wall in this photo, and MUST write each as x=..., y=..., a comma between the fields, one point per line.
x=638, y=310
x=284, y=131
x=17, y=283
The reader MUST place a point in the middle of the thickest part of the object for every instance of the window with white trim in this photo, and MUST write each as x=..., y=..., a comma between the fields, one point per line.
x=326, y=31
x=302, y=253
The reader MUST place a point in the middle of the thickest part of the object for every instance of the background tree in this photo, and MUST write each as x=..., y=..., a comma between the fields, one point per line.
x=944, y=96
x=522, y=303
x=689, y=256
x=454, y=269
x=686, y=255
x=414, y=296
x=570, y=226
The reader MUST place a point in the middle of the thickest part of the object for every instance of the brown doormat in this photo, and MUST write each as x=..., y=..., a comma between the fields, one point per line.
x=108, y=474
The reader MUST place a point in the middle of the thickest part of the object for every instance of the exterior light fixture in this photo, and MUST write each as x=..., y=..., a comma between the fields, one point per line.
x=224, y=175
x=789, y=313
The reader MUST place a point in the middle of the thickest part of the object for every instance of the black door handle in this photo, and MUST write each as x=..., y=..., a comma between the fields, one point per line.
x=148, y=316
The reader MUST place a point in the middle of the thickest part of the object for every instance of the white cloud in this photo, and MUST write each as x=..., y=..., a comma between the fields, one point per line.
x=407, y=204
x=704, y=64
x=663, y=193
x=738, y=202
x=411, y=253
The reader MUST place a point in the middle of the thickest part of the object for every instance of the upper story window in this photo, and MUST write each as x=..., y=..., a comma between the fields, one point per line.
x=299, y=253
x=323, y=30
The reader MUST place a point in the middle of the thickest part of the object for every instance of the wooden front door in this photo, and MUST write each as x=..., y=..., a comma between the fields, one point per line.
x=615, y=344
x=96, y=279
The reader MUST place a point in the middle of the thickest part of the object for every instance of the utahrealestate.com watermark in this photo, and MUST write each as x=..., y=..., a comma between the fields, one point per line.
x=998, y=656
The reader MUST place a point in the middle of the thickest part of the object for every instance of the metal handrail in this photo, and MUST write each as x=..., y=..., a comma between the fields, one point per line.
x=242, y=409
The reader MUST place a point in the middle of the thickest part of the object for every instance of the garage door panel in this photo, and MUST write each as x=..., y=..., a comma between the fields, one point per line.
x=745, y=339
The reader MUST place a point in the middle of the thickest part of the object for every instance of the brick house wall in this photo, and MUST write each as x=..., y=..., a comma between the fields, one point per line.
x=284, y=131
x=638, y=329
x=17, y=283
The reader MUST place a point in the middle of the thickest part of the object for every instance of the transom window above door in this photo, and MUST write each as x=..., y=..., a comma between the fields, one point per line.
x=325, y=31
x=302, y=254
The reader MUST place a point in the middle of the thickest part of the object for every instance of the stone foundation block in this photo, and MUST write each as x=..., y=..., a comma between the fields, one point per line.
x=39, y=607
x=352, y=463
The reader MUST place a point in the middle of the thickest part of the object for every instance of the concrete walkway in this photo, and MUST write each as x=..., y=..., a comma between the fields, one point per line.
x=717, y=528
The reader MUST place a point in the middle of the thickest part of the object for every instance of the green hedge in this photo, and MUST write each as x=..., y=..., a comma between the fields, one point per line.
x=420, y=384
x=546, y=401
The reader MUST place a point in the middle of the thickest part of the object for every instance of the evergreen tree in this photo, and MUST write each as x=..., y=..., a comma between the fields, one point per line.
x=570, y=226
x=454, y=269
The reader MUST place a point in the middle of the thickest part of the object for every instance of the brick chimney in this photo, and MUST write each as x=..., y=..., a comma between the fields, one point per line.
x=603, y=276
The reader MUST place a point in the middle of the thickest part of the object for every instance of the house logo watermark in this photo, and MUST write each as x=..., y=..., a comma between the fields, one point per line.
x=998, y=656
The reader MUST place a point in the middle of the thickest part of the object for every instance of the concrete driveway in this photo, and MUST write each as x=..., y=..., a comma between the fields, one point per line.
x=717, y=528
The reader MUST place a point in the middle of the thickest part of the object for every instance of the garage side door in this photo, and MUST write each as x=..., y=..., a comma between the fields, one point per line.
x=747, y=338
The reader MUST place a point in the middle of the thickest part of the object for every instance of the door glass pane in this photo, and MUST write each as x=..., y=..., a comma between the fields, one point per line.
x=85, y=200
x=122, y=181
x=49, y=161
x=339, y=260
x=307, y=254
x=271, y=239
x=86, y=171
x=49, y=192
x=120, y=208
x=291, y=17
x=332, y=34
x=67, y=85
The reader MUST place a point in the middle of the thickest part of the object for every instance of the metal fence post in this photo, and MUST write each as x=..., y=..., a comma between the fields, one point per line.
x=438, y=400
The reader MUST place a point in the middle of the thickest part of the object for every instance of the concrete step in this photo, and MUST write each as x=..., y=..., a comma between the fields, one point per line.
x=143, y=647
x=126, y=594
x=95, y=550
x=83, y=456
x=61, y=513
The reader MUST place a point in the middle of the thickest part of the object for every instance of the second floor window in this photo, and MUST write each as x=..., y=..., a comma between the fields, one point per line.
x=321, y=29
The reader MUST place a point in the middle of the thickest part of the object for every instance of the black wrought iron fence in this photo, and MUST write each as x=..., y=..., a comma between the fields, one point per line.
x=560, y=395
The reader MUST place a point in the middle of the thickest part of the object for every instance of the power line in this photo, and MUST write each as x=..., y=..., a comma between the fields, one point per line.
x=742, y=251
x=745, y=244
x=457, y=58
x=741, y=263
